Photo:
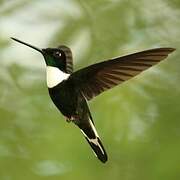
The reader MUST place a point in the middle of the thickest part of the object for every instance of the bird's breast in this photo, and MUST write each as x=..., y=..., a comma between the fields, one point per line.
x=54, y=76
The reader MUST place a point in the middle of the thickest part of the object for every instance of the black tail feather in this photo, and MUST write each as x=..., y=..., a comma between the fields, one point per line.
x=99, y=150
x=94, y=141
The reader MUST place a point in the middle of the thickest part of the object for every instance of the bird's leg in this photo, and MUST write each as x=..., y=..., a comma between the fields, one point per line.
x=68, y=119
x=72, y=118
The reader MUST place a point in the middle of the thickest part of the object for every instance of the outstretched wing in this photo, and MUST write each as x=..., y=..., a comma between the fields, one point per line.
x=102, y=76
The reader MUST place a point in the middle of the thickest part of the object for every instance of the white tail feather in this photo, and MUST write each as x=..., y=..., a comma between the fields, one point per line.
x=94, y=142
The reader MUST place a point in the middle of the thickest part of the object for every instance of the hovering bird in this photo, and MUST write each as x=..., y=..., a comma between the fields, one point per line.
x=71, y=90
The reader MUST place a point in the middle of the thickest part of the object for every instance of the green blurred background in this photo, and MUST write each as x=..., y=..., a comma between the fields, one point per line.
x=139, y=121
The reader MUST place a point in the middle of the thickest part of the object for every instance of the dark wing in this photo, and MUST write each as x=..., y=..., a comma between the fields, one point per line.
x=99, y=77
x=69, y=59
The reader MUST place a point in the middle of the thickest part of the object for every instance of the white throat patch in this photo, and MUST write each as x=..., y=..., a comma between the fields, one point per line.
x=55, y=76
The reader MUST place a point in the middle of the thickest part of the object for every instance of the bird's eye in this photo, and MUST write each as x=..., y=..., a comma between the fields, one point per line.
x=57, y=54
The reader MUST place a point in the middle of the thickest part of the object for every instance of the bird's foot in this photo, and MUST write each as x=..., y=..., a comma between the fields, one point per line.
x=68, y=120
x=72, y=118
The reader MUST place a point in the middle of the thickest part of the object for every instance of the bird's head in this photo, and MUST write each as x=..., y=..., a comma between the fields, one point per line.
x=60, y=57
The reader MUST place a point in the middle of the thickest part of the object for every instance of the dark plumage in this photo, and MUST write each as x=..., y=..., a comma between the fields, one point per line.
x=71, y=91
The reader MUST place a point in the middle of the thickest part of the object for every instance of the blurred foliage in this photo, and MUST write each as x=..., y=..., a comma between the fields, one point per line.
x=138, y=121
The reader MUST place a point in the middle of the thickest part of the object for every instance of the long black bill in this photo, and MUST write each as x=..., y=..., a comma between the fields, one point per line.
x=29, y=45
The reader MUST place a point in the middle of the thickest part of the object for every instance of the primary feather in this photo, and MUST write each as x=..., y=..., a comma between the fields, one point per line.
x=97, y=78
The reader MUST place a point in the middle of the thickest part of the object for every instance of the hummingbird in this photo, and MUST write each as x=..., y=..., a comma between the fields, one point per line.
x=70, y=91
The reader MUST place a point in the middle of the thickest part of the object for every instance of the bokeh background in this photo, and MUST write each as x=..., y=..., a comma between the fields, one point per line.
x=139, y=121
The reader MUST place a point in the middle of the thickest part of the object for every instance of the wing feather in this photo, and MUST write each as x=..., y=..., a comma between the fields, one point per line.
x=102, y=76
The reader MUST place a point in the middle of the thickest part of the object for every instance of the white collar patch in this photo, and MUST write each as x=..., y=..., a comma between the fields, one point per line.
x=55, y=76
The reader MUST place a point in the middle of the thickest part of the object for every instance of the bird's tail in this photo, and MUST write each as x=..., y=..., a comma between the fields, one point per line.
x=94, y=141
